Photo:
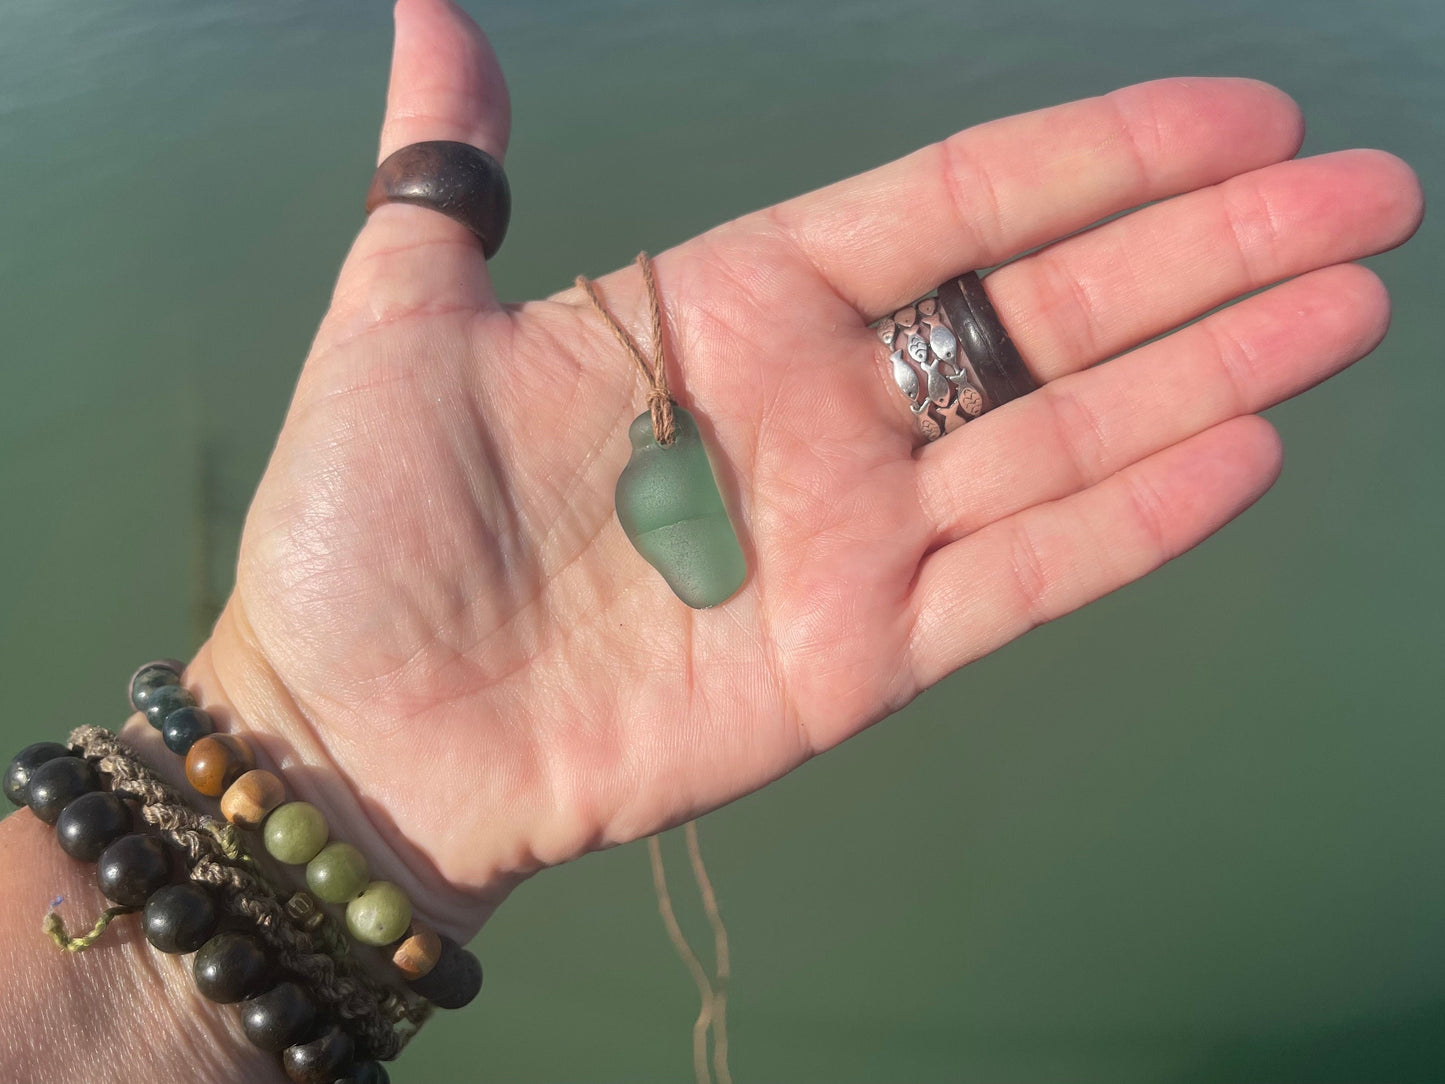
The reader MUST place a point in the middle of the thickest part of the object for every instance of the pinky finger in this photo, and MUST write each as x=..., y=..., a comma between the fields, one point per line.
x=977, y=594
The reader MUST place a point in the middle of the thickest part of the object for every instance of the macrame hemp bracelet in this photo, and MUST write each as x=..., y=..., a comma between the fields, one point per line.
x=378, y=913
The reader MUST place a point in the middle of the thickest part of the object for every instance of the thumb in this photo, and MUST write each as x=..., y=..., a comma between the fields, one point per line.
x=445, y=84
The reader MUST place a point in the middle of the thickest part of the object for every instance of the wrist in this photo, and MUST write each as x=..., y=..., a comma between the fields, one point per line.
x=119, y=1010
x=243, y=692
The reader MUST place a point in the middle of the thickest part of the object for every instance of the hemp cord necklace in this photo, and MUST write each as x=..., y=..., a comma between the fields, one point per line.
x=667, y=498
x=669, y=505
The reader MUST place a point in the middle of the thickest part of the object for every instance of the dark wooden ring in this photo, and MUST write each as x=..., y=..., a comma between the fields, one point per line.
x=463, y=182
x=1001, y=370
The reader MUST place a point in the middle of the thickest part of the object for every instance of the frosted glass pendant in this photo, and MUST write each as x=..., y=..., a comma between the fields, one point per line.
x=669, y=505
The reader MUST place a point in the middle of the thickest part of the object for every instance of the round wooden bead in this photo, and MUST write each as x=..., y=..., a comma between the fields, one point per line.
x=294, y=832
x=179, y=918
x=252, y=796
x=17, y=775
x=164, y=700
x=184, y=727
x=153, y=675
x=318, y=1061
x=280, y=1017
x=133, y=867
x=231, y=967
x=216, y=761
x=54, y=784
x=91, y=823
x=338, y=873
x=379, y=915
x=454, y=981
x=418, y=952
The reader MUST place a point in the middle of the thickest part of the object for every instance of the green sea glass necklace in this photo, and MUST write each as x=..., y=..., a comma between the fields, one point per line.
x=667, y=496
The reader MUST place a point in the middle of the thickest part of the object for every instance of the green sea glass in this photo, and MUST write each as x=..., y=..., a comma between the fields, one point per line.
x=669, y=505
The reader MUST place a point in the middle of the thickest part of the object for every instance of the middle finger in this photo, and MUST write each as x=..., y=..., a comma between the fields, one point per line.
x=1091, y=296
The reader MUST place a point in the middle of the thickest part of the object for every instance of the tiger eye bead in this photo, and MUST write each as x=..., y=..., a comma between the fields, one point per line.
x=91, y=823
x=280, y=1017
x=418, y=952
x=56, y=783
x=231, y=967
x=294, y=832
x=318, y=1061
x=154, y=675
x=379, y=915
x=252, y=796
x=338, y=873
x=17, y=775
x=164, y=700
x=216, y=761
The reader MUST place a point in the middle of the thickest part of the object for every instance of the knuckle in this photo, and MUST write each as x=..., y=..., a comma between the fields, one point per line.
x=1142, y=131
x=1081, y=433
x=1030, y=574
x=1064, y=299
x=973, y=195
x=1252, y=227
x=1237, y=363
x=1150, y=519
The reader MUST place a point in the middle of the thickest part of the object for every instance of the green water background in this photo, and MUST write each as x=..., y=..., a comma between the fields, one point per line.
x=1192, y=834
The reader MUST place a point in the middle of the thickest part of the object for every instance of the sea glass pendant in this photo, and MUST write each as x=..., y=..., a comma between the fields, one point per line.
x=669, y=505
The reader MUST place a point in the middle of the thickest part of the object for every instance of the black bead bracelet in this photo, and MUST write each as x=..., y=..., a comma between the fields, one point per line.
x=142, y=872
x=55, y=783
x=17, y=775
x=91, y=823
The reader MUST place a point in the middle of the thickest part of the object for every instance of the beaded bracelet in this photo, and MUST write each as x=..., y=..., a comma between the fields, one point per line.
x=378, y=913
x=137, y=871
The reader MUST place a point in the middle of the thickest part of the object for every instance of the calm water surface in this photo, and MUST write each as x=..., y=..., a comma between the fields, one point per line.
x=1193, y=834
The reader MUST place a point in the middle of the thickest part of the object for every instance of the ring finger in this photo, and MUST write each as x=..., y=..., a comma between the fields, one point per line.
x=1087, y=426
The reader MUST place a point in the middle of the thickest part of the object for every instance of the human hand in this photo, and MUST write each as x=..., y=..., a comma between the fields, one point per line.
x=436, y=610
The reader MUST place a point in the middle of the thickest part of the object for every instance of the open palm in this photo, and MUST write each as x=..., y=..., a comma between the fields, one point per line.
x=436, y=606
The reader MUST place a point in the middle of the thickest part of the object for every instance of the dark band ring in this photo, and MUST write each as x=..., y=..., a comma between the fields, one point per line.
x=951, y=358
x=1005, y=376
x=463, y=182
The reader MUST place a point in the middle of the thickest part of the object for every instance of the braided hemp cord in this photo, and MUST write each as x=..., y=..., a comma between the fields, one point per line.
x=380, y=1018
x=659, y=398
x=54, y=927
